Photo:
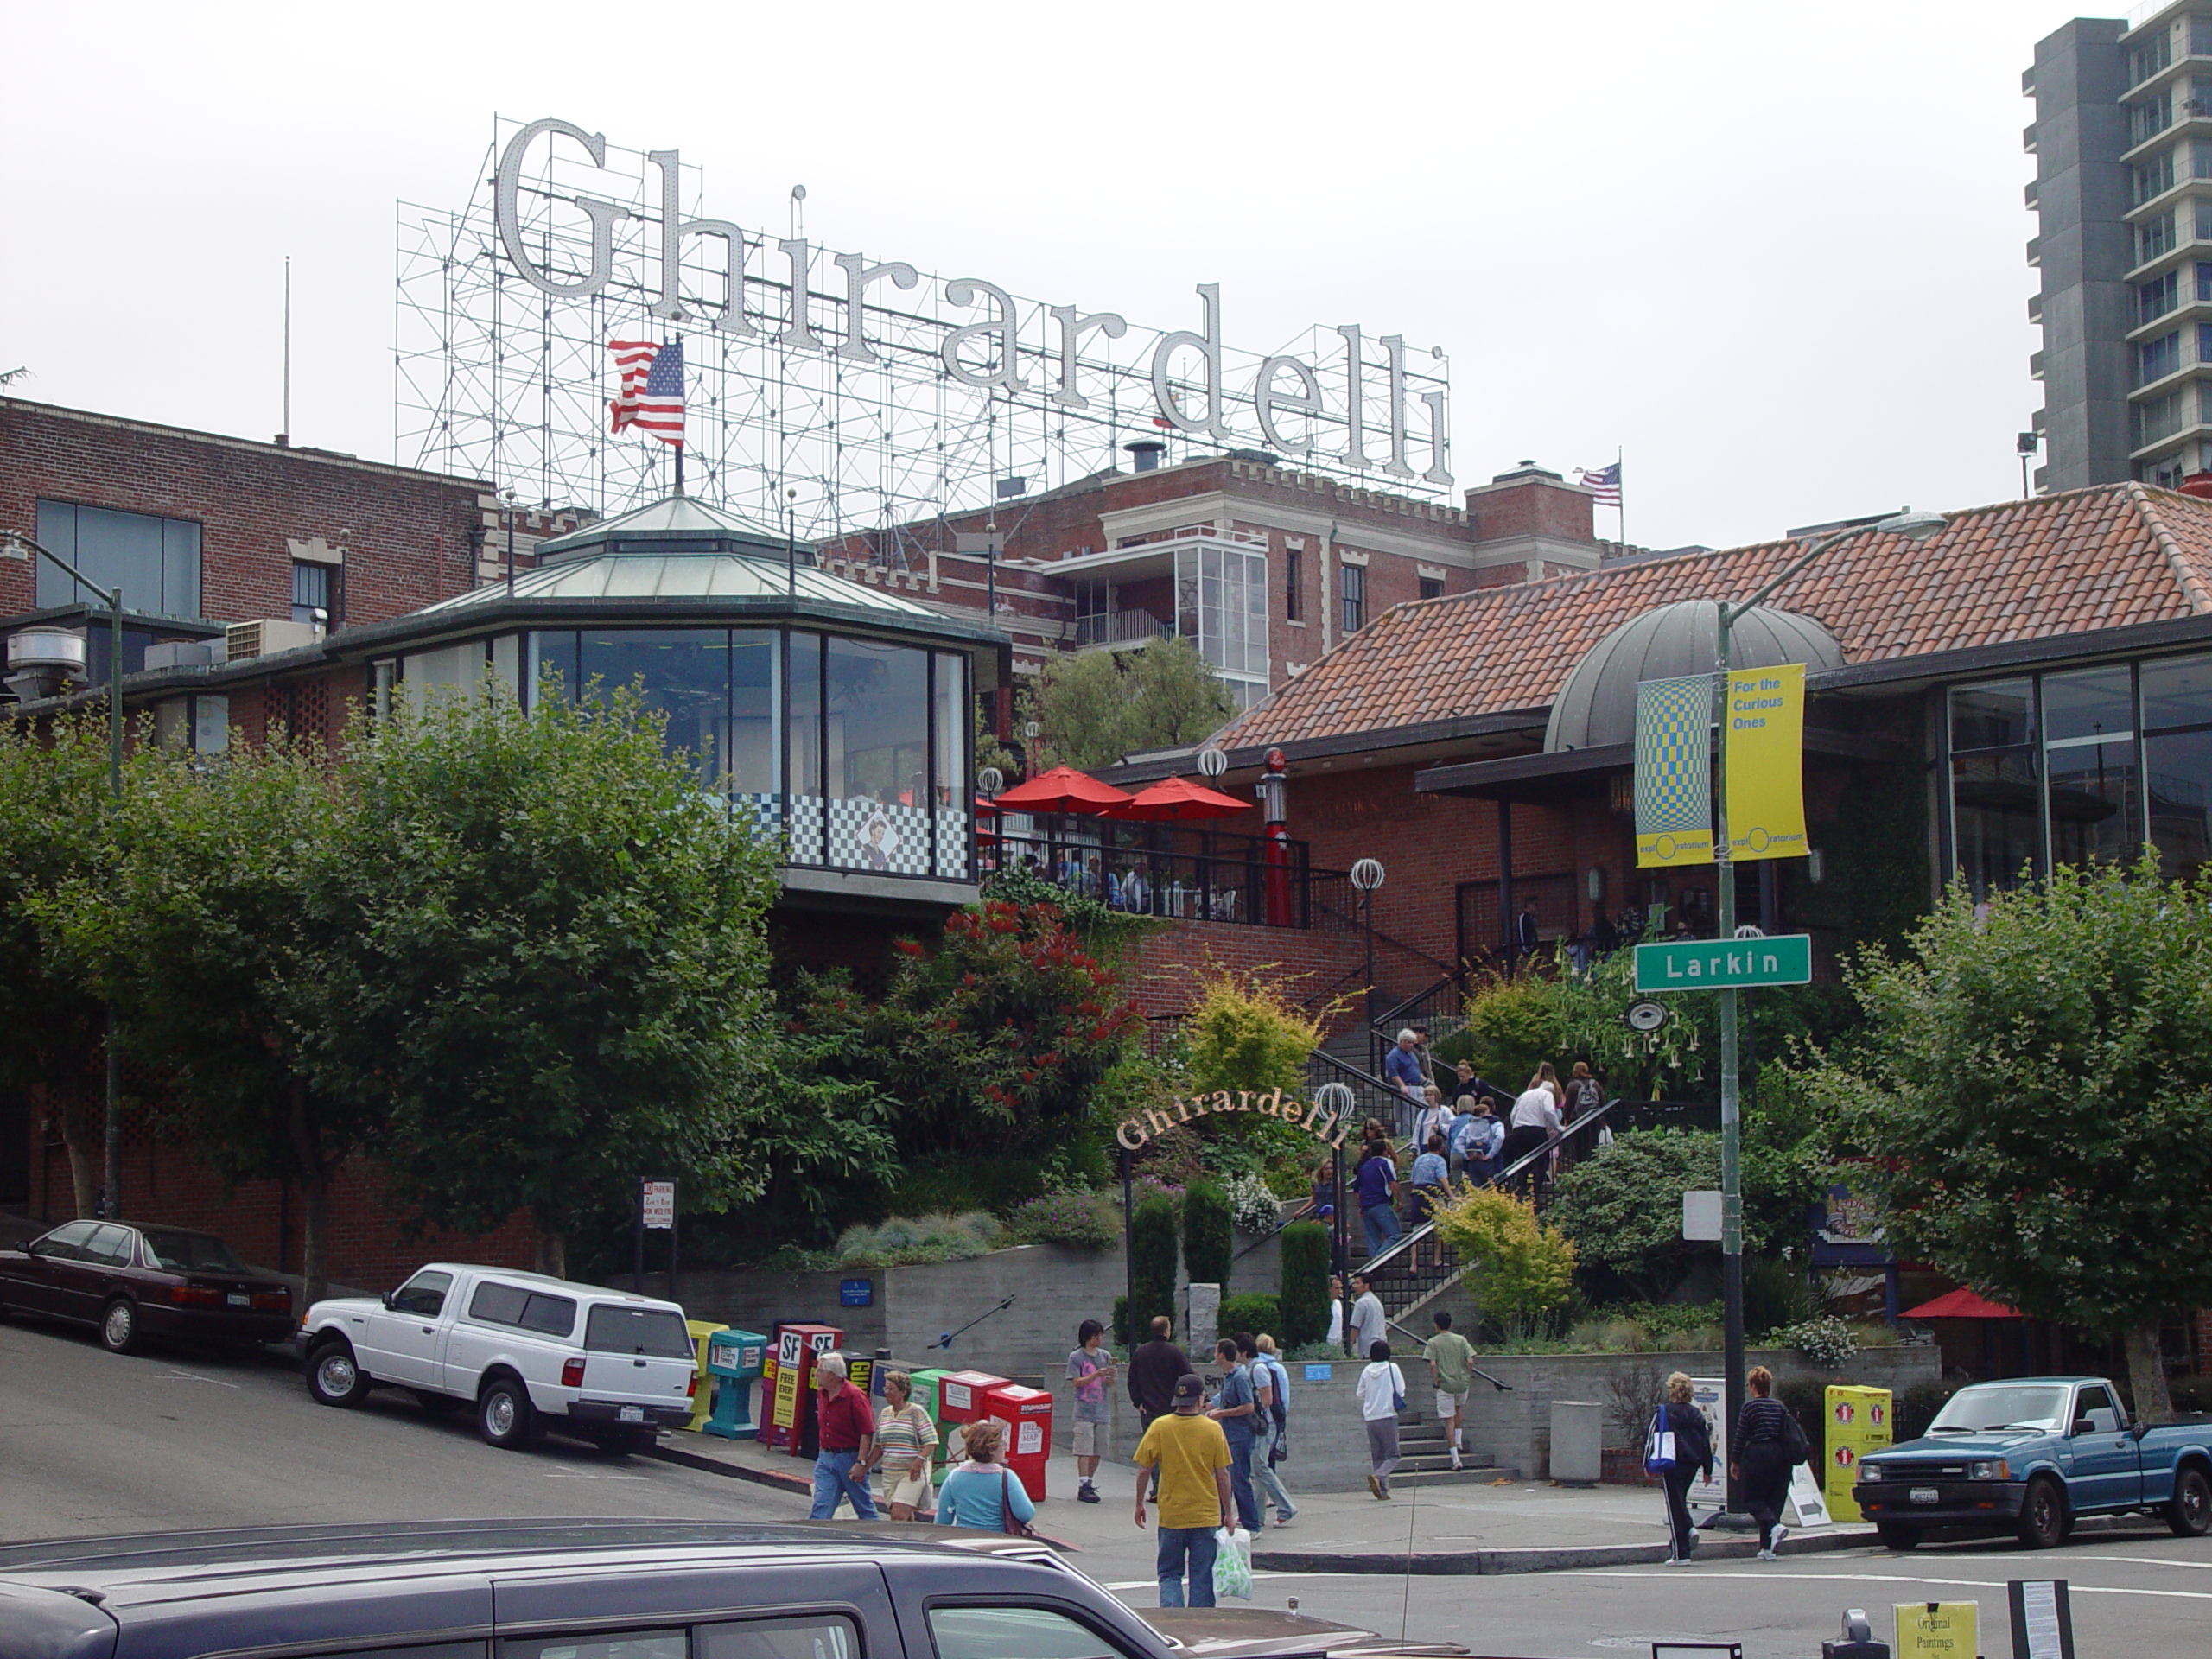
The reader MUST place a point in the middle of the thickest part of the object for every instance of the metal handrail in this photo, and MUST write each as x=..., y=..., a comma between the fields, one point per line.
x=1527, y=1161
x=1415, y=1336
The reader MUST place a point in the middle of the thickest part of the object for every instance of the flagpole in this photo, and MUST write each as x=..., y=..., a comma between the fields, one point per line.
x=1620, y=507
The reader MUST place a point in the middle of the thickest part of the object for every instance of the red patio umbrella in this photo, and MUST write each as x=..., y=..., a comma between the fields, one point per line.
x=1960, y=1304
x=1061, y=789
x=1174, y=800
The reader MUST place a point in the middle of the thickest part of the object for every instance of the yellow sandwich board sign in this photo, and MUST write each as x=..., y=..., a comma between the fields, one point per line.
x=1937, y=1630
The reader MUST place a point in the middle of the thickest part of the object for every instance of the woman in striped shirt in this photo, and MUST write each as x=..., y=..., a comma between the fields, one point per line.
x=904, y=1438
x=1769, y=1445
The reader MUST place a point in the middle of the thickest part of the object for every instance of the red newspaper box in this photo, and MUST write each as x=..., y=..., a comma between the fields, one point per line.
x=960, y=1395
x=789, y=1425
x=1027, y=1414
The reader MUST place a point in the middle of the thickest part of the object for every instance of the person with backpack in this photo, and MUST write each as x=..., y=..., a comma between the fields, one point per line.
x=1236, y=1408
x=1679, y=1450
x=1584, y=1096
x=1274, y=1442
x=1477, y=1140
x=1769, y=1445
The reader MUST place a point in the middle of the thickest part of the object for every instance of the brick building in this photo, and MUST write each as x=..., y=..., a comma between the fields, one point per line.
x=1263, y=569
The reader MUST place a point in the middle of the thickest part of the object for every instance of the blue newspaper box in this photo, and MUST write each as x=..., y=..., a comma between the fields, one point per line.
x=734, y=1360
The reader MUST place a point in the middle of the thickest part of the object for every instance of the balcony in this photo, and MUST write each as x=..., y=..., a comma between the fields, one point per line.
x=1177, y=872
x=1110, y=629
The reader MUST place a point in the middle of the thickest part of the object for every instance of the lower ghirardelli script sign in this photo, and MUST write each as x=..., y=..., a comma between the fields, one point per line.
x=1327, y=1126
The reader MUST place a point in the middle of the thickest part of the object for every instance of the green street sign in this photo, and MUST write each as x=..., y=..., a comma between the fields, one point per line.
x=1719, y=964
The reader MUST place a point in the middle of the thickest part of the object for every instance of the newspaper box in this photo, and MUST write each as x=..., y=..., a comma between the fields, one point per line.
x=735, y=1360
x=789, y=1425
x=925, y=1395
x=1027, y=1414
x=960, y=1395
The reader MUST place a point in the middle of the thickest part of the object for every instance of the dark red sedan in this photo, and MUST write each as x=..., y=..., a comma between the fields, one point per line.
x=131, y=1282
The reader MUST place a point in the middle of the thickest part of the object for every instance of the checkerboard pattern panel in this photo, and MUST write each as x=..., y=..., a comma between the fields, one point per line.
x=1673, y=758
x=805, y=829
x=871, y=835
x=953, y=843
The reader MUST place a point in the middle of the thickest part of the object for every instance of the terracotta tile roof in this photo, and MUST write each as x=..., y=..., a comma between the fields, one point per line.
x=2104, y=557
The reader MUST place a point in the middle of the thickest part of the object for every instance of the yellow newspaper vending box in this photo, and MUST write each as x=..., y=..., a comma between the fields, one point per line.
x=1857, y=1422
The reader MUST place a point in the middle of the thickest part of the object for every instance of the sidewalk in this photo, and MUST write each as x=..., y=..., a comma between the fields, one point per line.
x=1513, y=1527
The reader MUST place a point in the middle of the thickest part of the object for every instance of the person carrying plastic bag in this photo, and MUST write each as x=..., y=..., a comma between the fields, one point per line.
x=1192, y=1455
x=1233, y=1564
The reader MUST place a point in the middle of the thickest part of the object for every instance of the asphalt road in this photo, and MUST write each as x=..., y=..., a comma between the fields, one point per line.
x=93, y=1443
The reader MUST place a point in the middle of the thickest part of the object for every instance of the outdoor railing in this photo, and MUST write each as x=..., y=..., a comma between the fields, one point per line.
x=1144, y=870
x=1121, y=628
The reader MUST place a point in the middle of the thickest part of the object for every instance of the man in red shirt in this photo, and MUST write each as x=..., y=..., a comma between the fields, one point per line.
x=844, y=1422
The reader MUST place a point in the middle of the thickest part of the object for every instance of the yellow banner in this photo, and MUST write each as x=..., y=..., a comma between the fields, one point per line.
x=1766, y=762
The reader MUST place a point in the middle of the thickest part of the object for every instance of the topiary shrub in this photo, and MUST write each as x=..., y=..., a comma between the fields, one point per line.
x=1305, y=1298
x=1250, y=1314
x=1209, y=1234
x=1152, y=1250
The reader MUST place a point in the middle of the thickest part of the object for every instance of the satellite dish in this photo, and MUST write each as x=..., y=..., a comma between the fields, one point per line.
x=1646, y=1016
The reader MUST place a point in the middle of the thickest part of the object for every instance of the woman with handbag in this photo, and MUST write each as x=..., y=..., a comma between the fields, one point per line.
x=906, y=1439
x=1679, y=1450
x=1770, y=1444
x=1382, y=1397
x=982, y=1494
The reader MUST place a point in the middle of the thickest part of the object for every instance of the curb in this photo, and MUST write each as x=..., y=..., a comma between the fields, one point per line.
x=1487, y=1563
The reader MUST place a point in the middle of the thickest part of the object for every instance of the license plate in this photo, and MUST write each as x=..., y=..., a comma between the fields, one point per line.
x=238, y=1299
x=632, y=1414
x=1925, y=1495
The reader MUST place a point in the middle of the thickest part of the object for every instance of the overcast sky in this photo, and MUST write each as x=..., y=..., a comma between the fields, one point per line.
x=1771, y=251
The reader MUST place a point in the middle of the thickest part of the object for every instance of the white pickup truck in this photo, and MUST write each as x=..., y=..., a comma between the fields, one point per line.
x=528, y=1350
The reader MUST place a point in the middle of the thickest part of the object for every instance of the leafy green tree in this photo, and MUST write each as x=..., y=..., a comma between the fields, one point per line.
x=1516, y=1267
x=216, y=936
x=2034, y=1091
x=1242, y=1033
x=1094, y=707
x=55, y=832
x=1304, y=1294
x=557, y=982
x=1151, y=1263
x=1623, y=1207
x=1209, y=1234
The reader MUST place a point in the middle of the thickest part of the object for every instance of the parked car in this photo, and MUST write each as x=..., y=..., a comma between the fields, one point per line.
x=527, y=1350
x=2029, y=1455
x=130, y=1282
x=553, y=1590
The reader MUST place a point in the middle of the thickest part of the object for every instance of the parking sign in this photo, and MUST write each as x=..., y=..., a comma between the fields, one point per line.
x=658, y=1204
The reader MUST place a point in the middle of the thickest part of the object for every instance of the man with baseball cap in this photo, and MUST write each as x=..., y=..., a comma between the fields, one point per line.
x=1192, y=1455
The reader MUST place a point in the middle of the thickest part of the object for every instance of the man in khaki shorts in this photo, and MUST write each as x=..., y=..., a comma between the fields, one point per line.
x=1090, y=1368
x=1451, y=1358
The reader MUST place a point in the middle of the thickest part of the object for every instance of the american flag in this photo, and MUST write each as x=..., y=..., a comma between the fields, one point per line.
x=652, y=388
x=1604, y=484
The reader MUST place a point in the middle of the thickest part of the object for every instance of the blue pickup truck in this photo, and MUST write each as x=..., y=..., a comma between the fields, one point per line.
x=2031, y=1454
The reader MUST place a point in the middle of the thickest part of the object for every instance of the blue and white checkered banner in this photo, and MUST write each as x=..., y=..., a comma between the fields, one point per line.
x=1673, y=771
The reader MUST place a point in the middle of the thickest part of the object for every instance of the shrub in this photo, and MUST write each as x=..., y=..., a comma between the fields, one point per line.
x=1243, y=1033
x=1121, y=1336
x=1078, y=1219
x=1305, y=1295
x=1517, y=1268
x=1152, y=1250
x=1250, y=1314
x=1513, y=1026
x=904, y=1240
x=1827, y=1342
x=1253, y=1203
x=1209, y=1235
x=1775, y=1294
x=2193, y=1393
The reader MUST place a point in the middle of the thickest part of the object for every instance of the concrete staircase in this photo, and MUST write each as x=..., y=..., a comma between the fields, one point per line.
x=1425, y=1459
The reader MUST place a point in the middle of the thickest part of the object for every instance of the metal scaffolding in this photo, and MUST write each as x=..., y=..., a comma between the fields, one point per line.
x=496, y=378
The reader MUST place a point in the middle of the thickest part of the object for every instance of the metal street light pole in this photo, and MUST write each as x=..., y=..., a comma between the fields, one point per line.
x=1919, y=526
x=18, y=546
x=1367, y=876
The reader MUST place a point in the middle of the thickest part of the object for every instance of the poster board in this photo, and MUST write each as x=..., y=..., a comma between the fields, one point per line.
x=1858, y=1421
x=2043, y=1619
x=1938, y=1630
x=1705, y=1394
x=1808, y=1507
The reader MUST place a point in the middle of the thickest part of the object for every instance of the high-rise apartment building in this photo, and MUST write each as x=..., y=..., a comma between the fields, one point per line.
x=2122, y=140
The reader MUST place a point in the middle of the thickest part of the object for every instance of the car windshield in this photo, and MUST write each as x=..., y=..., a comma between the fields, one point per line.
x=190, y=1253
x=613, y=1329
x=2000, y=1405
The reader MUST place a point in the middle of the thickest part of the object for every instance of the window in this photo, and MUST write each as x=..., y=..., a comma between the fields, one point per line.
x=497, y=1304
x=2154, y=236
x=2156, y=418
x=822, y=1636
x=68, y=1243
x=1354, y=594
x=2157, y=359
x=2153, y=55
x=1432, y=586
x=804, y=741
x=527, y=1309
x=2204, y=342
x=2158, y=297
x=1293, y=607
x=549, y=1316
x=1013, y=1633
x=612, y=1328
x=2090, y=764
x=2096, y=1405
x=1995, y=816
x=2154, y=178
x=2200, y=37
x=195, y=725
x=155, y=560
x=425, y=1293
x=683, y=673
x=190, y=1253
x=876, y=727
x=2152, y=115
x=2176, y=724
x=621, y=1644
x=314, y=589
x=109, y=1247
x=2204, y=279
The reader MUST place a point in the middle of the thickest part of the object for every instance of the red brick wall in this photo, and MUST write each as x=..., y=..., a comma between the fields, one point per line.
x=1535, y=507
x=409, y=530
x=162, y=1182
x=1309, y=965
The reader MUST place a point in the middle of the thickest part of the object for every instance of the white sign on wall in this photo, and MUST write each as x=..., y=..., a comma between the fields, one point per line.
x=657, y=1202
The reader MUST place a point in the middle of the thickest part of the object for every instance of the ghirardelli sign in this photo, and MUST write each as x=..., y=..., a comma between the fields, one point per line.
x=1362, y=408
